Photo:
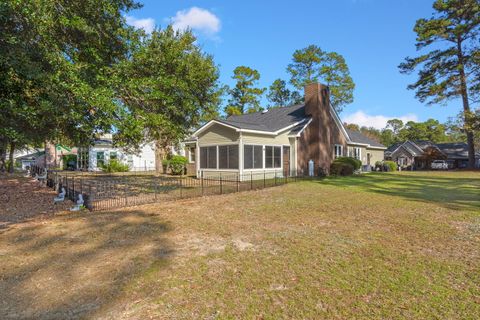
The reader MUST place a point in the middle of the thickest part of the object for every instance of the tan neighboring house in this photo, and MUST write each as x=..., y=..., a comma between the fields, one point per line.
x=282, y=141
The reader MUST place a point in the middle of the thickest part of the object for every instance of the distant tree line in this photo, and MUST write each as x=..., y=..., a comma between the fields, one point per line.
x=432, y=130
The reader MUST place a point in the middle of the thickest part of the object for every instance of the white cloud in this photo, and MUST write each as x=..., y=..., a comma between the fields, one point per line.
x=197, y=19
x=147, y=24
x=376, y=121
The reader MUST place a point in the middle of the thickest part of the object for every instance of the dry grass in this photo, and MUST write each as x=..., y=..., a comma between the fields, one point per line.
x=380, y=246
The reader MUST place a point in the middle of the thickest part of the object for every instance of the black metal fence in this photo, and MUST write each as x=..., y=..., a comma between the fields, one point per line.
x=108, y=191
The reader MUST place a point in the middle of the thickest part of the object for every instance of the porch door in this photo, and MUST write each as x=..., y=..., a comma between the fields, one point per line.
x=286, y=161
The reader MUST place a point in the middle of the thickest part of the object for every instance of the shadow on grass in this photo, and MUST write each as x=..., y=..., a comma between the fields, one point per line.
x=73, y=266
x=458, y=193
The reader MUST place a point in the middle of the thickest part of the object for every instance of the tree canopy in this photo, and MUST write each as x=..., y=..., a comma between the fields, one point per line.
x=312, y=64
x=165, y=88
x=74, y=69
x=245, y=96
x=280, y=96
x=56, y=60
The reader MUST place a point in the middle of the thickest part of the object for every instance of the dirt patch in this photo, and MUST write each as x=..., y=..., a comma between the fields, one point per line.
x=23, y=199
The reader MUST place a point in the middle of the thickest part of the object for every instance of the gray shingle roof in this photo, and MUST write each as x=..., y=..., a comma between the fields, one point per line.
x=272, y=120
x=455, y=150
x=278, y=118
x=358, y=137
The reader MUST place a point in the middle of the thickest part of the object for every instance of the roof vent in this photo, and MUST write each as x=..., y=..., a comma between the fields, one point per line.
x=264, y=111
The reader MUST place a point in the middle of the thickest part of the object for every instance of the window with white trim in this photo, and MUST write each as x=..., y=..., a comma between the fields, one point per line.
x=357, y=153
x=191, y=154
x=100, y=159
x=208, y=157
x=338, y=151
x=252, y=157
x=273, y=157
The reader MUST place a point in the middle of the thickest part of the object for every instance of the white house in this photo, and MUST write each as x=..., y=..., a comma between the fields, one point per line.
x=102, y=151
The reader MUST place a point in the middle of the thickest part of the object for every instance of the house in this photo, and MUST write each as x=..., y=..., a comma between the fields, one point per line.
x=102, y=151
x=282, y=141
x=27, y=160
x=420, y=154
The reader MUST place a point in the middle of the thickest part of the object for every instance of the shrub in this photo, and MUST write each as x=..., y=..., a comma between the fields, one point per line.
x=341, y=169
x=177, y=164
x=355, y=163
x=392, y=166
x=69, y=161
x=115, y=166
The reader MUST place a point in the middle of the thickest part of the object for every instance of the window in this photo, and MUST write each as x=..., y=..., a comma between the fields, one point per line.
x=191, y=155
x=228, y=157
x=357, y=153
x=273, y=157
x=208, y=157
x=100, y=159
x=113, y=155
x=252, y=157
x=130, y=161
x=338, y=150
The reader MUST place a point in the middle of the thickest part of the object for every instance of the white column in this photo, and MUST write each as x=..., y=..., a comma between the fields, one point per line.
x=197, y=158
x=240, y=155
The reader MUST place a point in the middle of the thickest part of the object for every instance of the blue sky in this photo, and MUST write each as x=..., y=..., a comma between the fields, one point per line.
x=373, y=35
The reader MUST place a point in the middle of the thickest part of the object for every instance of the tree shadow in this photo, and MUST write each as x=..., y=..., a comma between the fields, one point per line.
x=457, y=193
x=74, y=266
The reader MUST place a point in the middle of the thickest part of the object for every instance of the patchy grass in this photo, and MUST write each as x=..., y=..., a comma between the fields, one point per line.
x=379, y=246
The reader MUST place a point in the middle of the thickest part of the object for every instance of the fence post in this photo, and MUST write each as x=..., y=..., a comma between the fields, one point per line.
x=181, y=187
x=90, y=196
x=264, y=179
x=201, y=180
x=238, y=182
x=156, y=188
x=275, y=177
x=66, y=185
x=73, y=188
x=125, y=191
x=221, y=190
x=251, y=180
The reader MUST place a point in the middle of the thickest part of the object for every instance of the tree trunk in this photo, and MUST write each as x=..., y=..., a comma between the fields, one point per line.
x=10, y=157
x=160, y=155
x=3, y=155
x=466, y=107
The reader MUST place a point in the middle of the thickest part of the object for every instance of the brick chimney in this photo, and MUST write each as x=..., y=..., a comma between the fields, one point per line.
x=317, y=97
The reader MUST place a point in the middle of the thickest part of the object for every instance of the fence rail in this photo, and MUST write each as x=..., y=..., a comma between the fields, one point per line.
x=107, y=191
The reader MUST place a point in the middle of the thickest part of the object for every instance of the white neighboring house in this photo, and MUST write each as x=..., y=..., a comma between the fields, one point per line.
x=102, y=151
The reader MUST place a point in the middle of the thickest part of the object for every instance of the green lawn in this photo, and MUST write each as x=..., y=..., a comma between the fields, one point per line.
x=376, y=246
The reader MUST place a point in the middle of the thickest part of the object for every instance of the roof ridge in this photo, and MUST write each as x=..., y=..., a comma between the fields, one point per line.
x=263, y=111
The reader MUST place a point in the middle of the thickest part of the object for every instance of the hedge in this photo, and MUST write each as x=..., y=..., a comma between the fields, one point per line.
x=355, y=163
x=392, y=166
x=177, y=164
x=341, y=169
x=115, y=166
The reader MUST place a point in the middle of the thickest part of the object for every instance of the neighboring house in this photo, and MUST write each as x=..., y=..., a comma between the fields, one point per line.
x=102, y=151
x=420, y=154
x=282, y=140
x=30, y=159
